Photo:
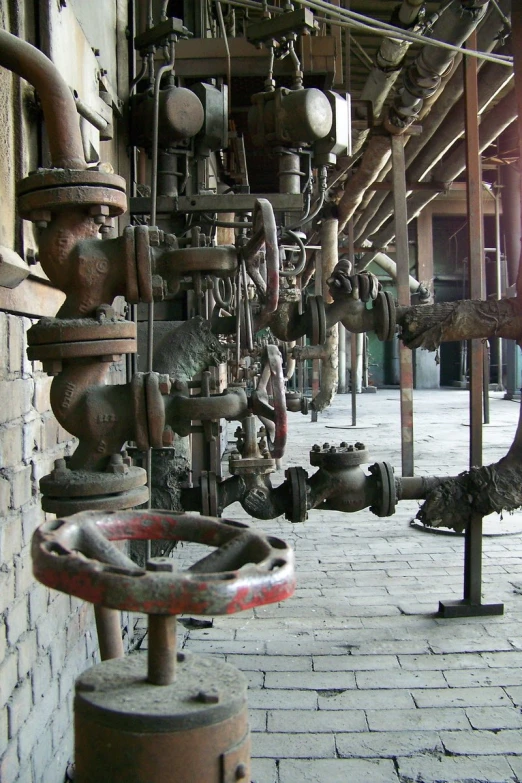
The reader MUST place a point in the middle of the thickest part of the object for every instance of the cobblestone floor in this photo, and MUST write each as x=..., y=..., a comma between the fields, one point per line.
x=355, y=679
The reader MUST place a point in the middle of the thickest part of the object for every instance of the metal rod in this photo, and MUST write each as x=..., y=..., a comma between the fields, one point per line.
x=161, y=658
x=403, y=295
x=108, y=626
x=353, y=337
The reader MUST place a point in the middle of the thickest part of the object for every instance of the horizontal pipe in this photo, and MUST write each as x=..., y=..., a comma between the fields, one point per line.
x=63, y=130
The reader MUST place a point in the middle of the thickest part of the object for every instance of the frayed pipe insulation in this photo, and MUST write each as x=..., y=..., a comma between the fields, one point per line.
x=423, y=77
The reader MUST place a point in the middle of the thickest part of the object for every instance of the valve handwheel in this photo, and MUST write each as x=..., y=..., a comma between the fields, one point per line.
x=264, y=232
x=274, y=416
x=247, y=569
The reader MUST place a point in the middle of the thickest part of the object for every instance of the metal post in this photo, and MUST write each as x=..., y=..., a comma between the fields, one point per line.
x=471, y=604
x=403, y=295
x=353, y=337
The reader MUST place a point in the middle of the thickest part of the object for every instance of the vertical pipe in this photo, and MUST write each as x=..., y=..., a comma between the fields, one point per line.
x=473, y=541
x=341, y=385
x=403, y=295
x=498, y=279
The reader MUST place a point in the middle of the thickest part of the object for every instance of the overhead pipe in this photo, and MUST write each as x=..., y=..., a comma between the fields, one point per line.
x=493, y=78
x=423, y=77
x=493, y=124
x=59, y=108
x=420, y=81
x=487, y=38
x=388, y=63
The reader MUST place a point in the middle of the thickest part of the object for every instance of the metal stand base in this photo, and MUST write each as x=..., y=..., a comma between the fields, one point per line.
x=465, y=608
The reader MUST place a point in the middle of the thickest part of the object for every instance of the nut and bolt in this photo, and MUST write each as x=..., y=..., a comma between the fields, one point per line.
x=164, y=383
x=104, y=312
x=159, y=287
x=350, y=448
x=343, y=444
x=31, y=256
x=60, y=468
x=117, y=465
x=180, y=657
x=360, y=446
x=241, y=771
x=207, y=697
x=316, y=447
x=98, y=213
x=155, y=236
x=40, y=217
x=326, y=446
x=167, y=438
x=333, y=450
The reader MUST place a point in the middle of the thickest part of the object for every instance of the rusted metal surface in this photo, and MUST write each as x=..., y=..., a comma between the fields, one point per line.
x=268, y=575
x=403, y=292
x=61, y=120
x=193, y=730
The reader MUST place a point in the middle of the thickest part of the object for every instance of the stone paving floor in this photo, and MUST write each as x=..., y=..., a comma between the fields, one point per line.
x=355, y=679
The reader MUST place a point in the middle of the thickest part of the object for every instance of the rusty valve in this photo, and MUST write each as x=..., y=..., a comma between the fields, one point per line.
x=195, y=726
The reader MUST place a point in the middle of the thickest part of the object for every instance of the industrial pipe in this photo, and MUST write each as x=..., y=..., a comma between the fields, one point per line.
x=423, y=77
x=61, y=119
x=492, y=125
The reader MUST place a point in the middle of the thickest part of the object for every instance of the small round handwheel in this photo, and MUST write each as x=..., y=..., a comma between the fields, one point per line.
x=247, y=569
x=274, y=416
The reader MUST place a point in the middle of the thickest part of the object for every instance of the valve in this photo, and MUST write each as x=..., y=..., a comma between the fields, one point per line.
x=185, y=718
x=273, y=416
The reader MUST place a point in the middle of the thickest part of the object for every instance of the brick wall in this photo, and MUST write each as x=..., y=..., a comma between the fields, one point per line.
x=46, y=638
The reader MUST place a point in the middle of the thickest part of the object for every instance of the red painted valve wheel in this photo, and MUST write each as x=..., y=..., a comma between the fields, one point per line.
x=75, y=555
x=274, y=416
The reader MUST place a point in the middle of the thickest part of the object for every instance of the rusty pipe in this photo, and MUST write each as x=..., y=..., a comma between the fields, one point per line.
x=63, y=129
x=181, y=410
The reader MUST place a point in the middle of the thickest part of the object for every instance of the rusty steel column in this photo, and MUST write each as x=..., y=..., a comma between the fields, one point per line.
x=403, y=295
x=471, y=603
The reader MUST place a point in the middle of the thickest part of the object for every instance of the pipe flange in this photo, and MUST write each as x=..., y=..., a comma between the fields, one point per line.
x=106, y=350
x=69, y=330
x=104, y=503
x=338, y=457
x=383, y=473
x=209, y=493
x=251, y=466
x=57, y=189
x=317, y=330
x=65, y=483
x=297, y=478
x=143, y=263
x=385, y=316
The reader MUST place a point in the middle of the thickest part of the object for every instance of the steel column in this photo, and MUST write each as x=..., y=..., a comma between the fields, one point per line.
x=471, y=604
x=403, y=295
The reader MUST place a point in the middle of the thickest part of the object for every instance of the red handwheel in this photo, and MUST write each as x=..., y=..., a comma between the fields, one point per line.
x=246, y=569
